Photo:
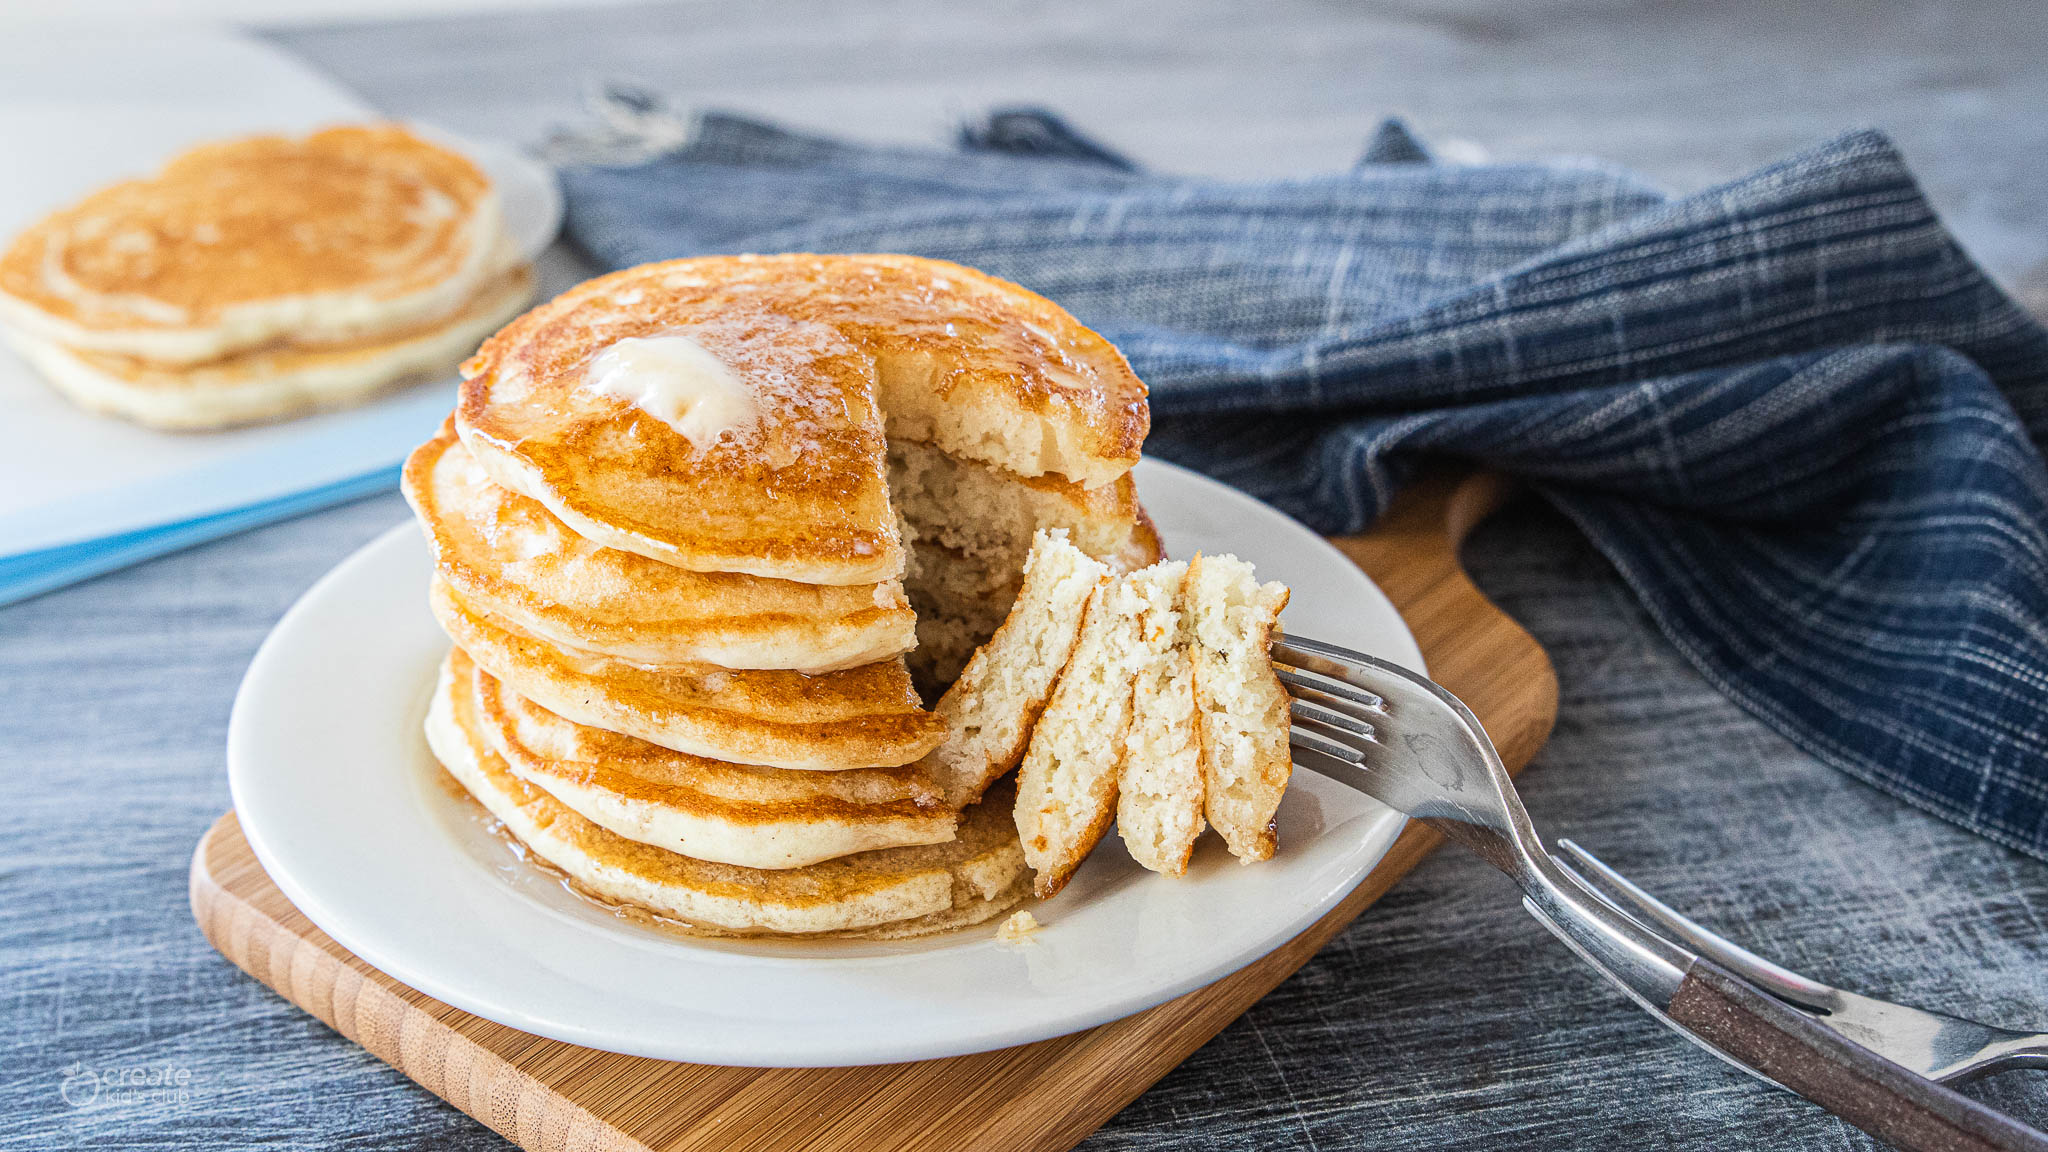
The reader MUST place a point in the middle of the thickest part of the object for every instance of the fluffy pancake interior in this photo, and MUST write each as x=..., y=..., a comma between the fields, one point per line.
x=1066, y=787
x=989, y=711
x=970, y=527
x=1159, y=781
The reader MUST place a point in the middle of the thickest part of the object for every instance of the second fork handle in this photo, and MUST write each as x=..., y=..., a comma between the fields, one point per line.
x=1889, y=1102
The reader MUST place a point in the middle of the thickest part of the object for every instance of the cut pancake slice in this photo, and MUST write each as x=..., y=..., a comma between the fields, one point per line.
x=893, y=891
x=990, y=710
x=1159, y=782
x=727, y=813
x=510, y=558
x=342, y=236
x=1067, y=786
x=1243, y=707
x=271, y=383
x=865, y=717
x=816, y=358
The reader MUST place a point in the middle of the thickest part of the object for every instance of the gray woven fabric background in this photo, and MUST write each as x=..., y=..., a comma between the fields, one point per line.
x=1444, y=1018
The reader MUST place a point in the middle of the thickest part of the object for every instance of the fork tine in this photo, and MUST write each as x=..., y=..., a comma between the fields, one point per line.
x=1305, y=735
x=1327, y=689
x=1303, y=709
x=1773, y=978
x=1301, y=690
x=1325, y=756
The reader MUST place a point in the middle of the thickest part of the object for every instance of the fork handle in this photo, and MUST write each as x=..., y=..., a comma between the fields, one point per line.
x=1891, y=1103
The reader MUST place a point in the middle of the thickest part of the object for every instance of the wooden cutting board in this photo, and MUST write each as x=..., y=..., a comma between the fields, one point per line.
x=545, y=1095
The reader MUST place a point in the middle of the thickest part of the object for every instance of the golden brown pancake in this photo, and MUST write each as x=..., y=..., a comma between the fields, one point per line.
x=838, y=353
x=330, y=239
x=708, y=809
x=892, y=891
x=275, y=382
x=513, y=560
x=865, y=717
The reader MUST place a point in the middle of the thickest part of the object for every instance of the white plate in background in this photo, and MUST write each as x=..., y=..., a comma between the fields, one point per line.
x=347, y=812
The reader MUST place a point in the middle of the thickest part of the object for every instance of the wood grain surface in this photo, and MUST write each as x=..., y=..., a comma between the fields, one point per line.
x=546, y=1096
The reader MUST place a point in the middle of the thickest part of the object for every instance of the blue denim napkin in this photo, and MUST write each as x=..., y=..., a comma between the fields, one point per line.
x=1803, y=425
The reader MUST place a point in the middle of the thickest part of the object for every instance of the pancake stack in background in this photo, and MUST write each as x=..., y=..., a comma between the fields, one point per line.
x=699, y=530
x=264, y=277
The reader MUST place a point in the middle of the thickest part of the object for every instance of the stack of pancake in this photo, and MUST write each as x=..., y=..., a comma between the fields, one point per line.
x=700, y=531
x=264, y=277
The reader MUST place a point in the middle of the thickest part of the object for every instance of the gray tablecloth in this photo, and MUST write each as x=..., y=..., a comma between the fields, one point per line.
x=1444, y=1018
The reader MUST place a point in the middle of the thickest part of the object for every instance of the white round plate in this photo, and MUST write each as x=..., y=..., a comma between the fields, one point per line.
x=351, y=817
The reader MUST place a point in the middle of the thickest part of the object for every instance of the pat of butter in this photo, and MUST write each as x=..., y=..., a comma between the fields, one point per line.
x=678, y=382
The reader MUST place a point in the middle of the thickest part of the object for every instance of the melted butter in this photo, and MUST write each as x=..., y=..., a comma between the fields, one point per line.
x=678, y=382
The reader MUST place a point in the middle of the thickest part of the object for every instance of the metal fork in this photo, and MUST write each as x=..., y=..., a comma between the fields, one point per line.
x=1409, y=743
x=1936, y=1045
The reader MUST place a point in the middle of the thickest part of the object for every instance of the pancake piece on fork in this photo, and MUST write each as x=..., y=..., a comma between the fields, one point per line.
x=1242, y=705
x=1066, y=786
x=1118, y=739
